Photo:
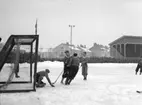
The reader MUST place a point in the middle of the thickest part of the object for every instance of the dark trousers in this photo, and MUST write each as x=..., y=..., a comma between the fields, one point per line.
x=84, y=70
x=72, y=73
x=137, y=69
x=17, y=69
x=66, y=72
x=38, y=79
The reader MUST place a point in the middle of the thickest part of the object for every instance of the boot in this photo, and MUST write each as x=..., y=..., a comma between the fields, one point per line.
x=85, y=78
x=17, y=76
x=67, y=81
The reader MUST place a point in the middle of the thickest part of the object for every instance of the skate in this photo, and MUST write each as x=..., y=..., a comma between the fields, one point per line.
x=40, y=85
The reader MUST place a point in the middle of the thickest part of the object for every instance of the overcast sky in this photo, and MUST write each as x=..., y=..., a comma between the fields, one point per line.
x=100, y=21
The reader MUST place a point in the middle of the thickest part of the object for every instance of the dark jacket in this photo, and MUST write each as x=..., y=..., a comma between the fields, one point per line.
x=66, y=60
x=74, y=61
x=42, y=73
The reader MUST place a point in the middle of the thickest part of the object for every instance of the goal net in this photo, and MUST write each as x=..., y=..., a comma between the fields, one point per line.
x=19, y=64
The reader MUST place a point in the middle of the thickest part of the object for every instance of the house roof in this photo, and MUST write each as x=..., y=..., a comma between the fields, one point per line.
x=127, y=39
x=74, y=48
x=85, y=49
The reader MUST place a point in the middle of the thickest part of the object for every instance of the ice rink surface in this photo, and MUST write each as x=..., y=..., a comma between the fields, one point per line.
x=107, y=84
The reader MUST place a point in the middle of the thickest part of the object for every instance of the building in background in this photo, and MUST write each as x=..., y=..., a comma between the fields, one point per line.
x=59, y=50
x=43, y=53
x=126, y=47
x=84, y=49
x=99, y=50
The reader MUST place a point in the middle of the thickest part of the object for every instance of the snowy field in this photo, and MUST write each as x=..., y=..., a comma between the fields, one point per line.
x=107, y=84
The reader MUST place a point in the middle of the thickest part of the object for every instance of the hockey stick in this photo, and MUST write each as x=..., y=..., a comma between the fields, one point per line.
x=139, y=91
x=60, y=75
x=57, y=77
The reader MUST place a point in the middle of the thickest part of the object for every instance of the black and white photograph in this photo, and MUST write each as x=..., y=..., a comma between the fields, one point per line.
x=70, y=52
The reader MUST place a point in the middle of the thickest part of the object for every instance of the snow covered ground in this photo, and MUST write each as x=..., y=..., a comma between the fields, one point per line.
x=107, y=84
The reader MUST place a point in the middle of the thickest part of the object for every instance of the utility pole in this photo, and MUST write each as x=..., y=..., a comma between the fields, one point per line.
x=36, y=28
x=71, y=26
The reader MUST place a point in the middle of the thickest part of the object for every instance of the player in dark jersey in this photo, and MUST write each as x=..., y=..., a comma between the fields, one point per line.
x=139, y=66
x=66, y=67
x=74, y=67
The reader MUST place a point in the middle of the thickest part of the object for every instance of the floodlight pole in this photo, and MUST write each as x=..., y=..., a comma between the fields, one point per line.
x=71, y=26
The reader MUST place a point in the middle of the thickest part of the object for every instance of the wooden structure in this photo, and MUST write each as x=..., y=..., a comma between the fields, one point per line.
x=30, y=40
x=126, y=47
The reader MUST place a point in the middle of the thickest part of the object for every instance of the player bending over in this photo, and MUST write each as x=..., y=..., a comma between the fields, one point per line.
x=39, y=77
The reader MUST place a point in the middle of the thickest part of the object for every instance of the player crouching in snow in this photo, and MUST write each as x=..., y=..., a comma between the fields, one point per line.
x=39, y=77
x=139, y=66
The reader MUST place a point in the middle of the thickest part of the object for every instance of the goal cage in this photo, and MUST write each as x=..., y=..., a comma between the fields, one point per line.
x=19, y=56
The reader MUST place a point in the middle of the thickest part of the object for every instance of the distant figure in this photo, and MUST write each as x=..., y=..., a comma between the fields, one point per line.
x=17, y=59
x=74, y=67
x=84, y=65
x=0, y=39
x=66, y=68
x=39, y=77
x=17, y=71
x=139, y=66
